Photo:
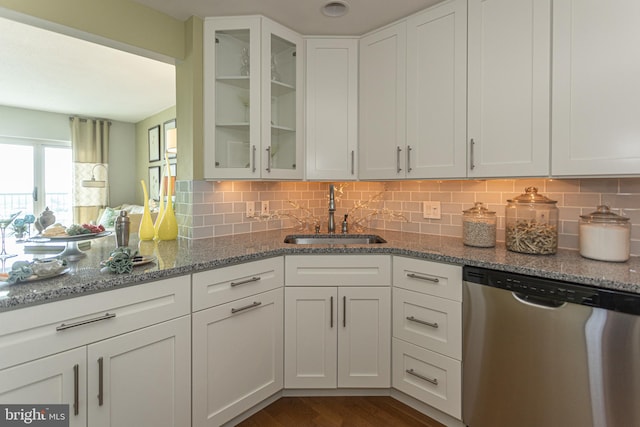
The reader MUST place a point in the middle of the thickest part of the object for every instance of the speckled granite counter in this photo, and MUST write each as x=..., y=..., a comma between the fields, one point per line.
x=181, y=257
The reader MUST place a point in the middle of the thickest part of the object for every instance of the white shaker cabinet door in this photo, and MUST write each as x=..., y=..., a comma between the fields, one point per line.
x=383, y=103
x=58, y=379
x=310, y=336
x=332, y=108
x=596, y=89
x=437, y=92
x=141, y=378
x=364, y=337
x=509, y=84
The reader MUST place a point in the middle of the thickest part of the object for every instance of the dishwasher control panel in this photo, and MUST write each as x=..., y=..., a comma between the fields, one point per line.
x=541, y=289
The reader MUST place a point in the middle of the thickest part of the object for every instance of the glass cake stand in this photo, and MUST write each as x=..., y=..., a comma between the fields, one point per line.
x=71, y=252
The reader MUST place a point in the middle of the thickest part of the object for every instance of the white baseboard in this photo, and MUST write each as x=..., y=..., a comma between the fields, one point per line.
x=429, y=411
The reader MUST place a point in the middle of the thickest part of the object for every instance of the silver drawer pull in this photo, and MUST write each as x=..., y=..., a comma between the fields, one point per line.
x=422, y=322
x=246, y=307
x=428, y=279
x=244, y=282
x=64, y=326
x=433, y=381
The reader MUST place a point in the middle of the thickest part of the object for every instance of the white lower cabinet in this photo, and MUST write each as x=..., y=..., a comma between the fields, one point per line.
x=427, y=332
x=428, y=376
x=52, y=380
x=237, y=328
x=337, y=337
x=237, y=357
x=120, y=358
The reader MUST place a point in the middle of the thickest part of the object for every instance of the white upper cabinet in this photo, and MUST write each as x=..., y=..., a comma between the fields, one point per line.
x=332, y=108
x=596, y=89
x=413, y=96
x=382, y=121
x=252, y=101
x=509, y=87
x=437, y=92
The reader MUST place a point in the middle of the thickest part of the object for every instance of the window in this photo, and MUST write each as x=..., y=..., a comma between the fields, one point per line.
x=35, y=175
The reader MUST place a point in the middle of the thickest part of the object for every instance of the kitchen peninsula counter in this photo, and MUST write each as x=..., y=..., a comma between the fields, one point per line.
x=182, y=256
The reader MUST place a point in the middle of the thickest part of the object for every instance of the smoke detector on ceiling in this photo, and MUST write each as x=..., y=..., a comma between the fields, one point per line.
x=335, y=9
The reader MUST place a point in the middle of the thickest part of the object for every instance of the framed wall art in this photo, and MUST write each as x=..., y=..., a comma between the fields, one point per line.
x=154, y=143
x=154, y=182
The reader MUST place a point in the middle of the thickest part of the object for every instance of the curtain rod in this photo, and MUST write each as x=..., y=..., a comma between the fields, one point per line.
x=85, y=119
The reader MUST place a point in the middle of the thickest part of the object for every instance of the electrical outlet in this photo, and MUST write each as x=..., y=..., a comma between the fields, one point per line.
x=431, y=210
x=251, y=209
x=264, y=209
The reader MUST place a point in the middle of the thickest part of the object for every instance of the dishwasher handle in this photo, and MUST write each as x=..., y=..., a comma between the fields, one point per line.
x=538, y=301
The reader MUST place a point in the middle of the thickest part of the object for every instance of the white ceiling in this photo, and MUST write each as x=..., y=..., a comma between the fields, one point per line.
x=48, y=71
x=302, y=16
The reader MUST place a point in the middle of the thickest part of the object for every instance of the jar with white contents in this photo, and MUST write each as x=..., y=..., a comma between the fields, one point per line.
x=479, y=227
x=605, y=236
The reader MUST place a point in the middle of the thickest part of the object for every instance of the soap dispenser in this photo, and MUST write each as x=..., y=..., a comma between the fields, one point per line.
x=345, y=225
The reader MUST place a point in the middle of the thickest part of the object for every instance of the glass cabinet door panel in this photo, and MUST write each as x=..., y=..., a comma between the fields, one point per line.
x=283, y=103
x=232, y=100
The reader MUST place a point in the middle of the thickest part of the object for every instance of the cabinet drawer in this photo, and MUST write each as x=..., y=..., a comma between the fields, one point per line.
x=338, y=270
x=427, y=321
x=427, y=277
x=222, y=285
x=33, y=332
x=429, y=377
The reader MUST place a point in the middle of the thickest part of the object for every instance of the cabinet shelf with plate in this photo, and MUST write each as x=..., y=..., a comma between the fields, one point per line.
x=252, y=105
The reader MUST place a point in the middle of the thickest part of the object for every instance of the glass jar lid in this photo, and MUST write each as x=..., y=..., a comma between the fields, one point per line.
x=531, y=196
x=604, y=214
x=478, y=209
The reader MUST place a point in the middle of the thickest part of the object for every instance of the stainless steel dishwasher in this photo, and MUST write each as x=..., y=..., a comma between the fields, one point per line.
x=544, y=353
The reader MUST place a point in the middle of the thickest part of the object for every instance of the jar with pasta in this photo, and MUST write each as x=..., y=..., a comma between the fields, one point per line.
x=479, y=227
x=531, y=225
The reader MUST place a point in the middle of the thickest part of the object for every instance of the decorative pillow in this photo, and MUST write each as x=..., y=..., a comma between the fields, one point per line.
x=108, y=218
x=132, y=209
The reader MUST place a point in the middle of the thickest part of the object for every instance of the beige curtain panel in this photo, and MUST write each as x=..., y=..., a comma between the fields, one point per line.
x=90, y=150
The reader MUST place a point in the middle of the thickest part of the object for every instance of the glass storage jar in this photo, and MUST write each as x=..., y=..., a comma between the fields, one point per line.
x=531, y=223
x=479, y=226
x=604, y=235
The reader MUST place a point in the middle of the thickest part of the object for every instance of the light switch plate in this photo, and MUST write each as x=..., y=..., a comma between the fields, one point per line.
x=264, y=210
x=431, y=210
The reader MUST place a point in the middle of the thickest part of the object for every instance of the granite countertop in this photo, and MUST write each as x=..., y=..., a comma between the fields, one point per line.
x=183, y=256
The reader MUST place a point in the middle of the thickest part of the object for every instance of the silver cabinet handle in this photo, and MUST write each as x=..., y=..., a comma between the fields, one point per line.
x=244, y=282
x=253, y=155
x=433, y=381
x=422, y=322
x=472, y=162
x=76, y=391
x=398, y=151
x=409, y=169
x=344, y=311
x=353, y=162
x=331, y=314
x=64, y=326
x=268, y=159
x=100, y=381
x=428, y=279
x=246, y=307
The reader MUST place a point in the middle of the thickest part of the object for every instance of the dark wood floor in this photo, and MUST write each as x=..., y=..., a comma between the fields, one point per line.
x=378, y=411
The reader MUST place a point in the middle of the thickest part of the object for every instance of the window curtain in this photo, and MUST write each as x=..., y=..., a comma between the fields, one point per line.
x=90, y=150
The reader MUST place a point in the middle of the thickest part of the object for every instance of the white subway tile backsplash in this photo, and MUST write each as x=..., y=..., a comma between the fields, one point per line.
x=214, y=209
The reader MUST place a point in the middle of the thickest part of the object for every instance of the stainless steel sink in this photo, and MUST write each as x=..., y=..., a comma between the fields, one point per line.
x=333, y=239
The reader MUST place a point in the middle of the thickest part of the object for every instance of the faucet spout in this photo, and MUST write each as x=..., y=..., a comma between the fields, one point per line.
x=332, y=208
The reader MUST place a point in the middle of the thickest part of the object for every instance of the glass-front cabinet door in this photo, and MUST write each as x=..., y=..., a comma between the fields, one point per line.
x=282, y=102
x=252, y=105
